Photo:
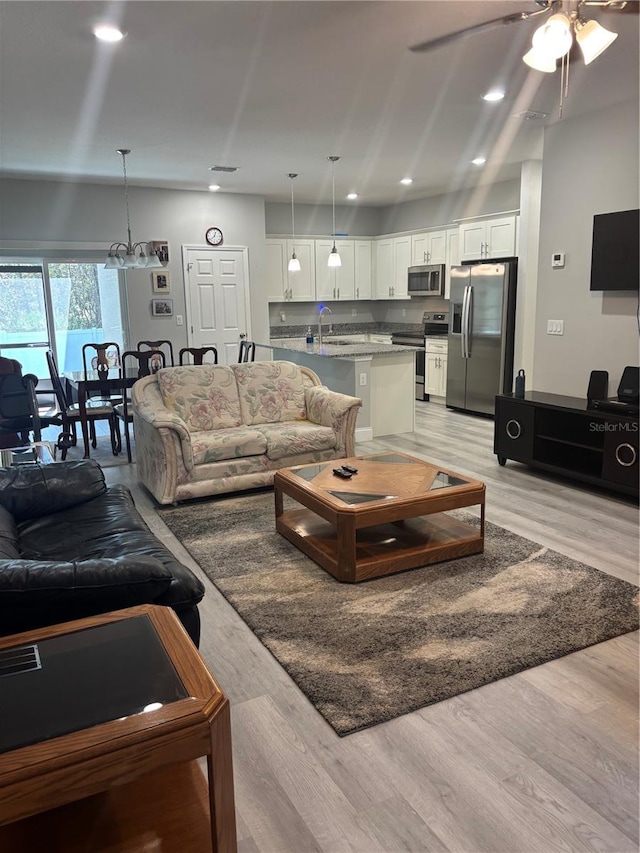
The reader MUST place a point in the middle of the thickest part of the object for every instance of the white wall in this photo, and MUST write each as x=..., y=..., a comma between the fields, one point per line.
x=443, y=209
x=47, y=213
x=356, y=220
x=590, y=165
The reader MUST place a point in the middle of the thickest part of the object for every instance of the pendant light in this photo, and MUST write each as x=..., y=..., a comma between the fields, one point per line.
x=334, y=257
x=130, y=255
x=294, y=263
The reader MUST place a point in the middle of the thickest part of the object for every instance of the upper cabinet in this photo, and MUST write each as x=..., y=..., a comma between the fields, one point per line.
x=285, y=286
x=453, y=257
x=363, y=250
x=429, y=247
x=393, y=259
x=487, y=238
x=335, y=283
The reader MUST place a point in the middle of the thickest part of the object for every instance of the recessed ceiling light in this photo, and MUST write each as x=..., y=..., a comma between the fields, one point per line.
x=493, y=95
x=352, y=196
x=479, y=161
x=214, y=187
x=406, y=181
x=107, y=32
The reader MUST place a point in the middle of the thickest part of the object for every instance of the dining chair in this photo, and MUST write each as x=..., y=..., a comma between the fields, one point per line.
x=69, y=413
x=197, y=354
x=9, y=365
x=247, y=351
x=165, y=346
x=106, y=358
x=137, y=363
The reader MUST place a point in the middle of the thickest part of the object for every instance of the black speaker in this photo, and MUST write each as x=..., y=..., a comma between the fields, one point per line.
x=598, y=385
x=628, y=389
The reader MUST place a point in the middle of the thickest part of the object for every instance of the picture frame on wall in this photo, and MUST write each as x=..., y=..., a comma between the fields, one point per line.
x=160, y=281
x=161, y=248
x=162, y=307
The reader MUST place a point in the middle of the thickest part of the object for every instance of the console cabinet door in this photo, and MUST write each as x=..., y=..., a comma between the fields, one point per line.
x=620, y=461
x=513, y=436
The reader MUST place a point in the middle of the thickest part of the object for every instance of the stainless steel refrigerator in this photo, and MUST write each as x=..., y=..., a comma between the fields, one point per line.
x=481, y=334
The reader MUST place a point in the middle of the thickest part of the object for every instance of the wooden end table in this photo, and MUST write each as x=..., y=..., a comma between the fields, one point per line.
x=388, y=517
x=106, y=701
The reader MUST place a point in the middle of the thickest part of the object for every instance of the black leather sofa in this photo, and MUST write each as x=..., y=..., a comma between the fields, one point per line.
x=72, y=547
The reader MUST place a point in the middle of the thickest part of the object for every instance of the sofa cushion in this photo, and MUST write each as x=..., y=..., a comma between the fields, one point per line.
x=293, y=437
x=205, y=396
x=8, y=536
x=216, y=445
x=31, y=491
x=270, y=392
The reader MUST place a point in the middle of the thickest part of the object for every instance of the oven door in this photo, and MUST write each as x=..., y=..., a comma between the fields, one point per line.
x=420, y=375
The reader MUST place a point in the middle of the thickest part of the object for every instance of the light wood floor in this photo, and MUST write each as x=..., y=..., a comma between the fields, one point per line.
x=543, y=761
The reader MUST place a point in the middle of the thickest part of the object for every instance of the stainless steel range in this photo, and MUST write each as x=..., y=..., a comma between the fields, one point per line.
x=435, y=326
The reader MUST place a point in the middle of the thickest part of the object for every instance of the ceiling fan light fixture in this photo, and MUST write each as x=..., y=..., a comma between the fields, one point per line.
x=539, y=61
x=593, y=39
x=554, y=37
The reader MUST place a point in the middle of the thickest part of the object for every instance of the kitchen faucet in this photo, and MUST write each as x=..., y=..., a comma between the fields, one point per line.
x=323, y=308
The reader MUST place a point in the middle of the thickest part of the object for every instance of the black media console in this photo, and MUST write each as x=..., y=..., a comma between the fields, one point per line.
x=561, y=435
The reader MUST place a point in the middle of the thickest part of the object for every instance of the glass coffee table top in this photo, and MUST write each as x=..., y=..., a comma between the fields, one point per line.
x=441, y=479
x=81, y=679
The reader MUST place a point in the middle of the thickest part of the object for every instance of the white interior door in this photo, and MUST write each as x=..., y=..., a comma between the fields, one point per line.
x=217, y=300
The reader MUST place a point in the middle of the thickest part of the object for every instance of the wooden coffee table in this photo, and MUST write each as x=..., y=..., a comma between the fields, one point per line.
x=388, y=517
x=113, y=700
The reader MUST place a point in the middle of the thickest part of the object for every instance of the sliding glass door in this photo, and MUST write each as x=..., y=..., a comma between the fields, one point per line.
x=59, y=305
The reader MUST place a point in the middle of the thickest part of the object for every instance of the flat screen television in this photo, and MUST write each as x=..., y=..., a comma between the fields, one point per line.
x=615, y=250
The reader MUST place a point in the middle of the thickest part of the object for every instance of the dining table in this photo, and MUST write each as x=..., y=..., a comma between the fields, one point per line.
x=106, y=384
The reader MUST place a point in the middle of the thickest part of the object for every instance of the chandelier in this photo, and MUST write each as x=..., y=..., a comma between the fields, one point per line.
x=130, y=255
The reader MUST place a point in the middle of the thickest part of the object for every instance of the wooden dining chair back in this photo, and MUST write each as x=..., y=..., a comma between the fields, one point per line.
x=105, y=358
x=165, y=347
x=247, y=351
x=69, y=413
x=198, y=355
x=135, y=363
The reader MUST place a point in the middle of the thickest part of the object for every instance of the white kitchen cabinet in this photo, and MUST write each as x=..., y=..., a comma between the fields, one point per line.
x=429, y=247
x=453, y=258
x=285, y=286
x=335, y=283
x=488, y=238
x=363, y=269
x=435, y=381
x=393, y=259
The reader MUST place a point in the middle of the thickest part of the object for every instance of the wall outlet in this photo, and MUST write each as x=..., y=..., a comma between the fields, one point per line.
x=404, y=312
x=555, y=327
x=363, y=379
x=354, y=312
x=179, y=320
x=283, y=317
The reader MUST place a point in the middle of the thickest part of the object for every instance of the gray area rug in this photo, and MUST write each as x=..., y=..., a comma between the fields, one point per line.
x=366, y=653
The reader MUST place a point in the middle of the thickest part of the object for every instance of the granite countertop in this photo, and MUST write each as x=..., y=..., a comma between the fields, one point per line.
x=335, y=350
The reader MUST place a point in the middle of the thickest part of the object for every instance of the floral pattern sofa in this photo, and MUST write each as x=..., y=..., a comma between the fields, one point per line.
x=206, y=429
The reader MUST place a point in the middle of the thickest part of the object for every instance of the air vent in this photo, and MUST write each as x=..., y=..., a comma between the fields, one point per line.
x=223, y=168
x=19, y=659
x=531, y=115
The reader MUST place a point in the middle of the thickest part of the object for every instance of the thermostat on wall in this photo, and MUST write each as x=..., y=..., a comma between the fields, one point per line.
x=557, y=260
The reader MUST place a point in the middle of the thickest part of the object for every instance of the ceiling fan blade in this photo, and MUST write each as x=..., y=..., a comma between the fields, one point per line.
x=494, y=23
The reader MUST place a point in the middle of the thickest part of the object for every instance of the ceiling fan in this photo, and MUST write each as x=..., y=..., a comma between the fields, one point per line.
x=553, y=40
x=571, y=10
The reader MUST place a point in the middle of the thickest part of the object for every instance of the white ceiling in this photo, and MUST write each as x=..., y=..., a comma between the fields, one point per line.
x=277, y=87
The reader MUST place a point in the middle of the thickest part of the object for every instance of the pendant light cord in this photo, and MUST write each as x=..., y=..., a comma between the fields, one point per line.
x=293, y=219
x=333, y=197
x=123, y=154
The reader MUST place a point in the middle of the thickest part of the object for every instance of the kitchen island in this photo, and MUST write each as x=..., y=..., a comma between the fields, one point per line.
x=381, y=375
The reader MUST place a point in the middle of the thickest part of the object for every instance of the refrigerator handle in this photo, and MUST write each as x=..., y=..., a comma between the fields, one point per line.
x=465, y=321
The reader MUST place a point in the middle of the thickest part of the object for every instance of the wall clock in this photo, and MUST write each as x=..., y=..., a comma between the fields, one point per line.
x=213, y=236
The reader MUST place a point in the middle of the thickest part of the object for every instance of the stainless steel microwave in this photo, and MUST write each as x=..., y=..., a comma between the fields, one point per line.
x=426, y=280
